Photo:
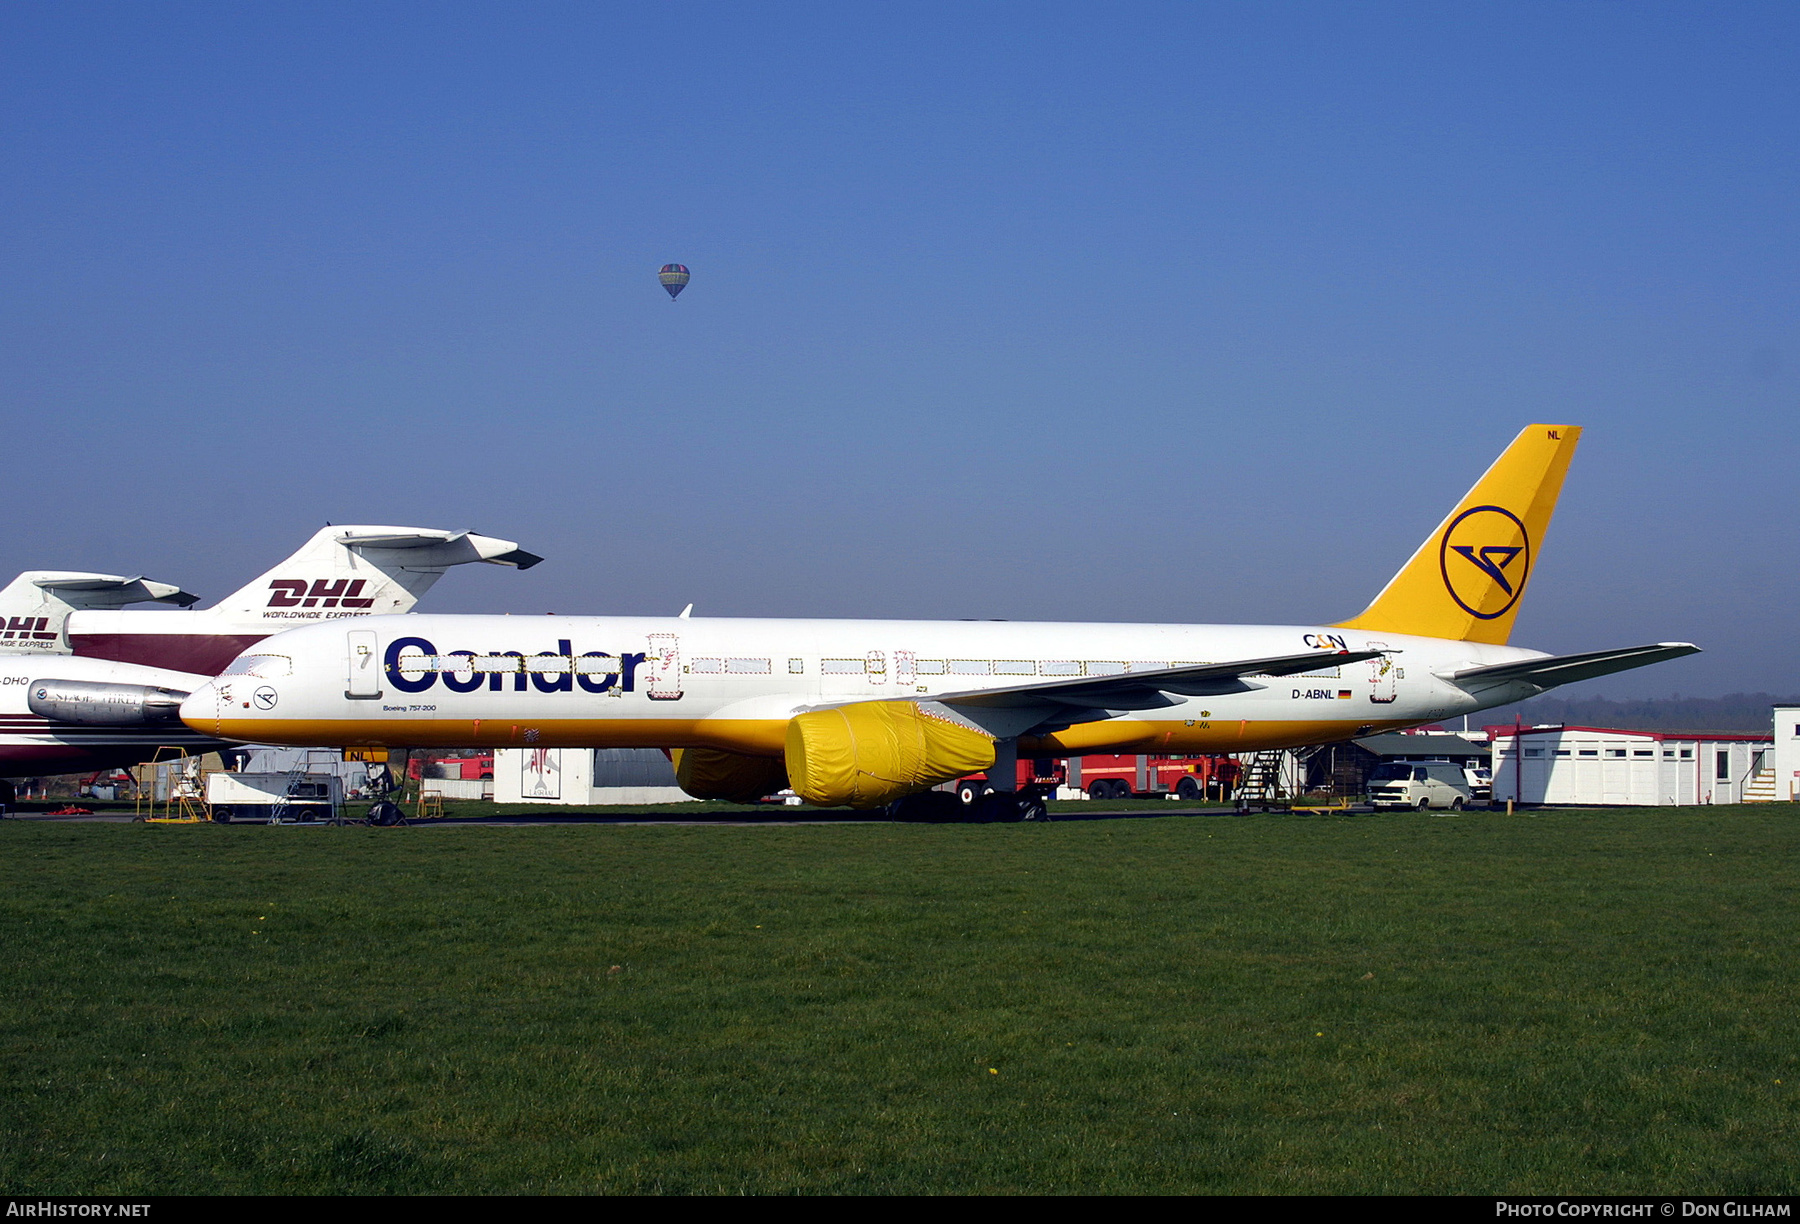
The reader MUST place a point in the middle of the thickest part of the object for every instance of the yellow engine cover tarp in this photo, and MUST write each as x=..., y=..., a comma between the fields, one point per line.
x=712, y=773
x=873, y=752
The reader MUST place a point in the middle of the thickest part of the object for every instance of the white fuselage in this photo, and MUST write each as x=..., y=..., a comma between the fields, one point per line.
x=31, y=744
x=460, y=680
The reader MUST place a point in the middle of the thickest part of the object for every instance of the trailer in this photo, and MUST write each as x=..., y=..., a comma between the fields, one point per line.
x=276, y=798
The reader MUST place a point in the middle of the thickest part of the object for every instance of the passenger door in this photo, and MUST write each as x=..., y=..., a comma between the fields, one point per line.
x=365, y=665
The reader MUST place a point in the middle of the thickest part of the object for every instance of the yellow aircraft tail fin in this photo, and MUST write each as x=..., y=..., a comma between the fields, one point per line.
x=1466, y=579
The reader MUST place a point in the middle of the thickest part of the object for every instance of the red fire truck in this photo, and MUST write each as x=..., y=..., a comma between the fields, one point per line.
x=1045, y=773
x=1112, y=776
x=472, y=768
x=1185, y=777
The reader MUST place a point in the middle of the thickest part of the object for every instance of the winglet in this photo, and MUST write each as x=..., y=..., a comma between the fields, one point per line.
x=1467, y=578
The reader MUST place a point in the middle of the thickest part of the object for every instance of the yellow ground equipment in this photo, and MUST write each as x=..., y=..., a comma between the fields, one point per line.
x=182, y=783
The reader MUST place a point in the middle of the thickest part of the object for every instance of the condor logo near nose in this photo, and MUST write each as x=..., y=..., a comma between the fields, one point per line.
x=414, y=665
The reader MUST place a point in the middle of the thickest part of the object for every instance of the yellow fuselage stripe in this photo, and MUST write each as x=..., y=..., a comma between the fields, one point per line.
x=767, y=737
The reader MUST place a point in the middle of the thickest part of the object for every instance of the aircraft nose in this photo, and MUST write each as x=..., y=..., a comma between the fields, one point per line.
x=201, y=709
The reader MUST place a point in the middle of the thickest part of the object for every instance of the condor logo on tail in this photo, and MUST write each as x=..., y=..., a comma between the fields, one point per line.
x=293, y=593
x=1485, y=558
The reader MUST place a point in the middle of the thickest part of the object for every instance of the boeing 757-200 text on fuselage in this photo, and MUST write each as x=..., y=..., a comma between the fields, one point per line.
x=870, y=712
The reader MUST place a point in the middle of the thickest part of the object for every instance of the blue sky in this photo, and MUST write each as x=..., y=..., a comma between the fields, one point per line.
x=1172, y=312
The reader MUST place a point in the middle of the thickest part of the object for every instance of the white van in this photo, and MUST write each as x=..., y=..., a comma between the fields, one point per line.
x=1481, y=782
x=1419, y=784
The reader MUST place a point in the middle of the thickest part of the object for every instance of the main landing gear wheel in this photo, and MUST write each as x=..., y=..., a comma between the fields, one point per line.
x=928, y=807
x=969, y=792
x=996, y=807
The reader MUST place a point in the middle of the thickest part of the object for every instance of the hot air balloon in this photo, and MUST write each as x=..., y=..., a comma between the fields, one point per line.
x=674, y=278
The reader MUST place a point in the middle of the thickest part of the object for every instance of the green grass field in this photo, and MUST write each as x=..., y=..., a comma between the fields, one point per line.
x=1551, y=1003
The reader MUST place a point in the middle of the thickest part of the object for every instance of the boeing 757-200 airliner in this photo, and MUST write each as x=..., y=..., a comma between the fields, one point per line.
x=868, y=713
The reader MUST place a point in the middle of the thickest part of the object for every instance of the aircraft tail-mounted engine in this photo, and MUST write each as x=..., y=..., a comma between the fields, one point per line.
x=94, y=703
x=873, y=752
x=712, y=773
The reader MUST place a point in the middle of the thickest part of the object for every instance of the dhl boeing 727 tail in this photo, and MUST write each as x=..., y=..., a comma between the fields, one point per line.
x=868, y=713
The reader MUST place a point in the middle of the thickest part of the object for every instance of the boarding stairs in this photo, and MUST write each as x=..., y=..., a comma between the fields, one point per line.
x=305, y=792
x=1263, y=784
x=182, y=780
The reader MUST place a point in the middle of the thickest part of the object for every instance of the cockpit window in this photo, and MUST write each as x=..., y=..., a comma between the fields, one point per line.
x=267, y=666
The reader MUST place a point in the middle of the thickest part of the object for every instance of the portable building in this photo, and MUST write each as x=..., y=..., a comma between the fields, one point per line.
x=1786, y=763
x=585, y=777
x=1602, y=765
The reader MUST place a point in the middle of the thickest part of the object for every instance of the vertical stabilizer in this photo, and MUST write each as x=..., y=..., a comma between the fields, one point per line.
x=35, y=606
x=364, y=570
x=1467, y=578
x=341, y=572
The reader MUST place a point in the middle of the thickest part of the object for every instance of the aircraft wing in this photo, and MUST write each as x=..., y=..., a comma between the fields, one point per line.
x=1549, y=672
x=1146, y=690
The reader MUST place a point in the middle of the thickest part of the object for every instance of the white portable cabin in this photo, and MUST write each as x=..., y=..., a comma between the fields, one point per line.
x=1602, y=766
x=585, y=777
x=1787, y=754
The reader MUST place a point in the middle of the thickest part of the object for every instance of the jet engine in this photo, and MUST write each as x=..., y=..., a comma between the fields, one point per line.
x=873, y=752
x=95, y=703
x=712, y=773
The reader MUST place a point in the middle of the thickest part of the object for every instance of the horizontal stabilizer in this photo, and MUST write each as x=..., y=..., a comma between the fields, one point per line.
x=83, y=590
x=1146, y=689
x=1548, y=673
x=437, y=549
